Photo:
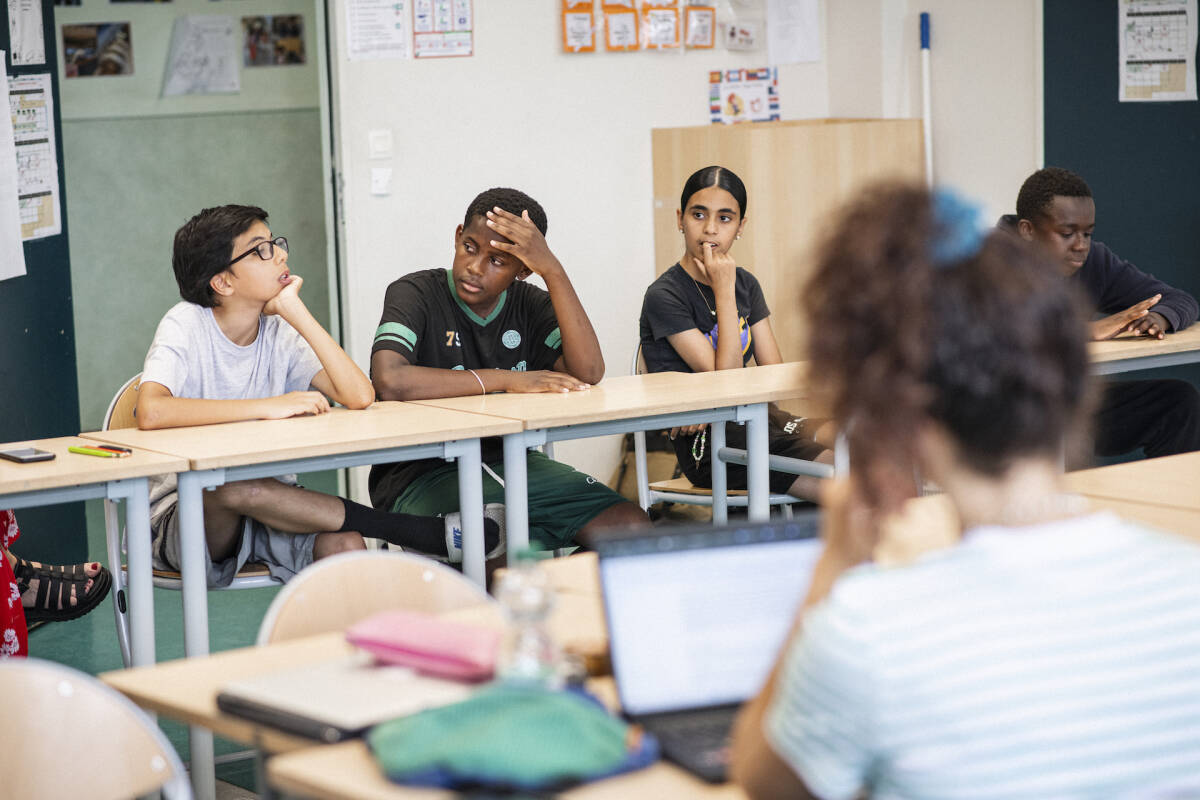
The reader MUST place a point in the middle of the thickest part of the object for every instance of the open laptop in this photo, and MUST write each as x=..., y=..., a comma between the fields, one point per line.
x=696, y=617
x=334, y=700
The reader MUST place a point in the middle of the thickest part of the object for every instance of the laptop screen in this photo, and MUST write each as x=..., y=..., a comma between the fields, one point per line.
x=696, y=616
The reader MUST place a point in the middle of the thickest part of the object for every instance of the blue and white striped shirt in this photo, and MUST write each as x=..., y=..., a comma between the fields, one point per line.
x=1059, y=660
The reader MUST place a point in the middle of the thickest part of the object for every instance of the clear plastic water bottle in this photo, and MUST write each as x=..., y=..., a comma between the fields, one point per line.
x=528, y=656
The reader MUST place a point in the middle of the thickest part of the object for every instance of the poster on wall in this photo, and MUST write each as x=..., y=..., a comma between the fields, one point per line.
x=203, y=57
x=578, y=26
x=97, y=49
x=700, y=24
x=12, y=253
x=660, y=24
x=273, y=41
x=443, y=28
x=377, y=29
x=620, y=25
x=1157, y=58
x=31, y=106
x=793, y=32
x=26, y=34
x=743, y=95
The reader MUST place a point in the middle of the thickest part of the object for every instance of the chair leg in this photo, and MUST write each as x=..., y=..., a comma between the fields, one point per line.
x=112, y=535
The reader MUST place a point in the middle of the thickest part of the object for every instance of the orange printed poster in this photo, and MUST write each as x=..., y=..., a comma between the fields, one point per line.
x=620, y=25
x=700, y=27
x=578, y=26
x=660, y=24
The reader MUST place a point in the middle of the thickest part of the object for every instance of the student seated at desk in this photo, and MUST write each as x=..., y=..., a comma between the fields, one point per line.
x=1055, y=209
x=686, y=313
x=242, y=345
x=477, y=328
x=1054, y=652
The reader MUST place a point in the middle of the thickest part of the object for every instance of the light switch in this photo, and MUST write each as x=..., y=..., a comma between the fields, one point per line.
x=381, y=180
x=379, y=143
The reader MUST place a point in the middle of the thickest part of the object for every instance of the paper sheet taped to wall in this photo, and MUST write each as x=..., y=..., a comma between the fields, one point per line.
x=32, y=113
x=203, y=56
x=12, y=253
x=377, y=29
x=1157, y=50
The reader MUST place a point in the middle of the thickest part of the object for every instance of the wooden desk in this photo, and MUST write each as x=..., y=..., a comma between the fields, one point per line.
x=1172, y=481
x=385, y=432
x=71, y=477
x=1129, y=353
x=640, y=402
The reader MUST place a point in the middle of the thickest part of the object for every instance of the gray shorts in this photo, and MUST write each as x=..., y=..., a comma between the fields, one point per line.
x=284, y=554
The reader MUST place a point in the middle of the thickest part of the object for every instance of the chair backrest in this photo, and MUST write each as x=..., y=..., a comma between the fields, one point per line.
x=338, y=591
x=69, y=735
x=120, y=410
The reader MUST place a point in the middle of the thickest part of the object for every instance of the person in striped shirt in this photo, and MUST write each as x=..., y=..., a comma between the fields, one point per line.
x=1053, y=652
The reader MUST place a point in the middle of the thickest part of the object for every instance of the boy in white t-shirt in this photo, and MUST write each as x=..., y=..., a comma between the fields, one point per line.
x=243, y=346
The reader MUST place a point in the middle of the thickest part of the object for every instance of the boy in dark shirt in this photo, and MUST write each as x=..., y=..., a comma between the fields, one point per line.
x=478, y=328
x=1055, y=209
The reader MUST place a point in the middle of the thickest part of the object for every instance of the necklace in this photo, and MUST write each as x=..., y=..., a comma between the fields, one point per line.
x=702, y=297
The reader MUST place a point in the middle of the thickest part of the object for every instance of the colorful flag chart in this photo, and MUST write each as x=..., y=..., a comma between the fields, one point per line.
x=743, y=95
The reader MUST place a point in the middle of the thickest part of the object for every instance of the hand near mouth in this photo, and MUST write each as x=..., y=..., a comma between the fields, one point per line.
x=288, y=294
x=718, y=269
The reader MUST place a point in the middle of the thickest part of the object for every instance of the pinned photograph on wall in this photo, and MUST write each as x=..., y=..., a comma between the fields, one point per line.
x=741, y=35
x=620, y=25
x=97, y=49
x=700, y=27
x=578, y=26
x=660, y=24
x=68, y=2
x=273, y=41
x=743, y=95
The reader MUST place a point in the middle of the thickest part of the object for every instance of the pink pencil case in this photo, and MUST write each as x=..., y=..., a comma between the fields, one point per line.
x=428, y=644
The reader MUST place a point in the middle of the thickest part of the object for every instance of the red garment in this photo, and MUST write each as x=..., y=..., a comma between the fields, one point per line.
x=14, y=636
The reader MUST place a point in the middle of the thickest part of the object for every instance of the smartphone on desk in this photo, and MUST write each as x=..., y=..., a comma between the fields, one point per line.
x=24, y=455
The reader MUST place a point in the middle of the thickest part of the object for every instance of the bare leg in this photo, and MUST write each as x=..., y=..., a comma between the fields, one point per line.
x=621, y=515
x=806, y=487
x=278, y=505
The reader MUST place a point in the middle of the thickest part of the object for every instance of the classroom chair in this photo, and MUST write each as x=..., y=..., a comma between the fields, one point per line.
x=338, y=591
x=120, y=414
x=70, y=736
x=681, y=490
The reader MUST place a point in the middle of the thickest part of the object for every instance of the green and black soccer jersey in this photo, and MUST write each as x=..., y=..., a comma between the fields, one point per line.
x=425, y=321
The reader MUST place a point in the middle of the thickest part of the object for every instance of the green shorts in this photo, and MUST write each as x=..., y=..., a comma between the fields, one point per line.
x=561, y=499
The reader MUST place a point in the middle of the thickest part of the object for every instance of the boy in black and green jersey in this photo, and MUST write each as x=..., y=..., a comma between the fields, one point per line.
x=476, y=328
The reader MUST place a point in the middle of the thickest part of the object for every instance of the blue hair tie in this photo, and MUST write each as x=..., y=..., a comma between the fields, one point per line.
x=957, y=229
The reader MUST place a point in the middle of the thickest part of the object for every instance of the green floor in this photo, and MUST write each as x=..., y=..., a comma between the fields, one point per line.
x=90, y=642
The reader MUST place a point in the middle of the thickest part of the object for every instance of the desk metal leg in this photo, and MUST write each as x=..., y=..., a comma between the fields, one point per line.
x=195, y=614
x=720, y=480
x=470, y=505
x=516, y=494
x=758, y=482
x=140, y=581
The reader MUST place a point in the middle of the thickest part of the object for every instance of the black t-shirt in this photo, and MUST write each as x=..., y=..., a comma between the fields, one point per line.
x=675, y=303
x=425, y=321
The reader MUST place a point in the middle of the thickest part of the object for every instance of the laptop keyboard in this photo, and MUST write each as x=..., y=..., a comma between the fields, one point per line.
x=704, y=735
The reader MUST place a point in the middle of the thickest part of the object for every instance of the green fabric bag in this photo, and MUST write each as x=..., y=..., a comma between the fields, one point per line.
x=508, y=736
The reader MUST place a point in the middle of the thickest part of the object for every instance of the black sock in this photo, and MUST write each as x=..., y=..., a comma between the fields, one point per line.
x=426, y=534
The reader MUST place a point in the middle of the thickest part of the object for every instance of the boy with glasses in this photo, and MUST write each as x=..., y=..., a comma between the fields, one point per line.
x=242, y=345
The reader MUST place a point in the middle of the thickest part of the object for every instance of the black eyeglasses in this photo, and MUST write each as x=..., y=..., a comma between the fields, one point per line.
x=265, y=250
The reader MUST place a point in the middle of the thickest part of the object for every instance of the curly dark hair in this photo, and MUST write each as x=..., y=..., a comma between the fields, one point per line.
x=203, y=247
x=992, y=346
x=1039, y=190
x=513, y=201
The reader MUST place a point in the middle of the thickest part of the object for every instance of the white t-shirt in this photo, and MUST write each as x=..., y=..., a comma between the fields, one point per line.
x=194, y=359
x=1057, y=660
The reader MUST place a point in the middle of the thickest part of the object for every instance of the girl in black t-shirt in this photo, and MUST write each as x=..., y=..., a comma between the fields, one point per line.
x=689, y=307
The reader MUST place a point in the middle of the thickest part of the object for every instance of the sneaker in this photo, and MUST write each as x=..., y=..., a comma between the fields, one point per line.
x=492, y=511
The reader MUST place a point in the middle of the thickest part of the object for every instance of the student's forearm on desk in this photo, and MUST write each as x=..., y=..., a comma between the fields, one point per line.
x=581, y=357
x=342, y=380
x=177, y=412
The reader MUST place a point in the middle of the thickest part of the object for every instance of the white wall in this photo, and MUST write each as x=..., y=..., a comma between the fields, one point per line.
x=574, y=132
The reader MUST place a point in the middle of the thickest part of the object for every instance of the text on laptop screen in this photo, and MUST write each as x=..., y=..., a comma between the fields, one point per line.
x=701, y=627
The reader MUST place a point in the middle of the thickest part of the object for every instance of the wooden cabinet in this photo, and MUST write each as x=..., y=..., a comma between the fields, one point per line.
x=796, y=175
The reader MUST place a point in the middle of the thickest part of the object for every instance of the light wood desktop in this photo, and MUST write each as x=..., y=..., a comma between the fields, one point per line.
x=1172, y=481
x=1129, y=353
x=218, y=454
x=73, y=476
